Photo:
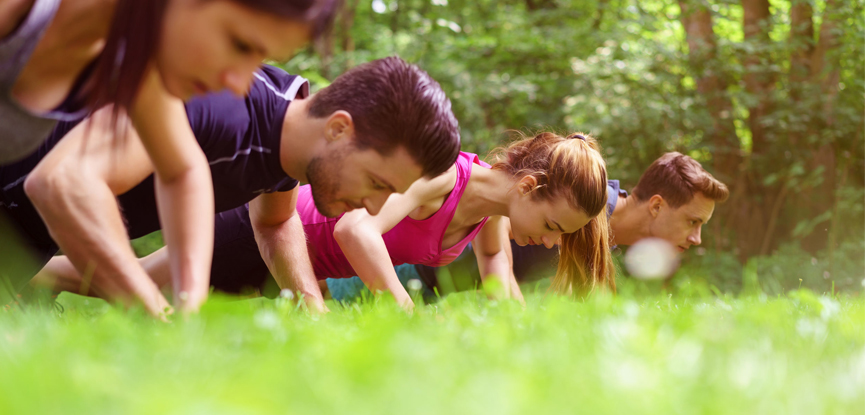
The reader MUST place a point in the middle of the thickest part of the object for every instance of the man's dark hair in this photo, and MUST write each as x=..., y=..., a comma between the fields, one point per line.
x=395, y=104
x=676, y=177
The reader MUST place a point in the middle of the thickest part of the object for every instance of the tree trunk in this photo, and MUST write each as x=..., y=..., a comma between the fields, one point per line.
x=702, y=52
x=753, y=216
x=533, y=5
x=324, y=48
x=347, y=22
x=801, y=50
x=759, y=81
x=825, y=76
x=801, y=43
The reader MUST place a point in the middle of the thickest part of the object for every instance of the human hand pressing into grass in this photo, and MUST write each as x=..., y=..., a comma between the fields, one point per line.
x=425, y=224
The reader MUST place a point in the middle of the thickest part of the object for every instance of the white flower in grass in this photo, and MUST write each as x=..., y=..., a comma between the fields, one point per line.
x=266, y=319
x=414, y=285
x=830, y=307
x=287, y=294
x=651, y=258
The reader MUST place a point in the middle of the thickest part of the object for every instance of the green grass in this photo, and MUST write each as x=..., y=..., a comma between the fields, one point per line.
x=640, y=352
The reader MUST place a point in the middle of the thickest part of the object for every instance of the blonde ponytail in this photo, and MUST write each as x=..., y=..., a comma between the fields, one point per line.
x=570, y=167
x=585, y=262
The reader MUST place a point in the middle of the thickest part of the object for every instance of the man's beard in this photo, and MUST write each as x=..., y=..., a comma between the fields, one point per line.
x=324, y=181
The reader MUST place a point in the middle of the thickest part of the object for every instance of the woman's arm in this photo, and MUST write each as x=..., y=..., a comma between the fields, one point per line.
x=60, y=275
x=493, y=251
x=359, y=234
x=74, y=189
x=184, y=189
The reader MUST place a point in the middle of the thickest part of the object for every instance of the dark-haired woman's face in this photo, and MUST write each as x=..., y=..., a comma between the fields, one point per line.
x=215, y=45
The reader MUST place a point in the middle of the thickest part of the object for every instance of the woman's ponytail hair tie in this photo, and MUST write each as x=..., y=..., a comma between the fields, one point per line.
x=577, y=135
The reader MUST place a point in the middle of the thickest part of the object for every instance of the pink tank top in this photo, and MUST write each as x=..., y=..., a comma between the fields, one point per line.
x=409, y=242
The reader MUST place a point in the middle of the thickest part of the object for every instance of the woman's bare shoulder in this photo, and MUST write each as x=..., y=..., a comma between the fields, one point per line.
x=440, y=186
x=12, y=14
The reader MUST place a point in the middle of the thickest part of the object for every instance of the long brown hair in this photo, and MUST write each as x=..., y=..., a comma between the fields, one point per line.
x=570, y=167
x=135, y=34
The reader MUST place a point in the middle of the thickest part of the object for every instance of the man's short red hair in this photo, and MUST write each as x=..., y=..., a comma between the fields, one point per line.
x=676, y=177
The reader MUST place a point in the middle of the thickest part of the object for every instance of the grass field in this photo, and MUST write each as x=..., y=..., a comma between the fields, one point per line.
x=640, y=352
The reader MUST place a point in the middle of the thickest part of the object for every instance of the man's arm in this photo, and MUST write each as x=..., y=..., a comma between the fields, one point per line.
x=282, y=243
x=73, y=189
x=184, y=190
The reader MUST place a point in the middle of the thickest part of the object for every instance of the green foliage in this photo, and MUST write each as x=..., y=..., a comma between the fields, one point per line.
x=620, y=69
x=630, y=354
x=147, y=244
x=789, y=268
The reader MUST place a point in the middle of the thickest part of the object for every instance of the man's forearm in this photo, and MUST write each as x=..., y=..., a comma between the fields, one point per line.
x=186, y=212
x=85, y=222
x=283, y=248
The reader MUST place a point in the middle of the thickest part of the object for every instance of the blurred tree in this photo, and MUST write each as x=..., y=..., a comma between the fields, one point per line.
x=712, y=85
x=767, y=94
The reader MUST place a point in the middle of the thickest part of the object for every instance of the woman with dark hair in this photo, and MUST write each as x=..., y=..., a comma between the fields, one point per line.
x=135, y=62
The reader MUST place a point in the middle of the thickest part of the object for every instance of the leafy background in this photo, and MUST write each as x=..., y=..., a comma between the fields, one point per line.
x=768, y=96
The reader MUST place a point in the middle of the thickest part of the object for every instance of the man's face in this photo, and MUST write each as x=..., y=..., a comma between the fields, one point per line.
x=680, y=226
x=347, y=178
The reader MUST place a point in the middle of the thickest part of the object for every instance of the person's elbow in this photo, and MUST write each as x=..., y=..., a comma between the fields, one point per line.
x=491, y=255
x=347, y=233
x=46, y=185
x=192, y=170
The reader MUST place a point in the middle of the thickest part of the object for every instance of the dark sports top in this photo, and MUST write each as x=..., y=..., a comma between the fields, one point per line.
x=22, y=131
x=241, y=136
x=241, y=139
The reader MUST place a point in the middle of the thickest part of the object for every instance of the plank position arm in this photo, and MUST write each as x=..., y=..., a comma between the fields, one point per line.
x=282, y=243
x=515, y=285
x=359, y=234
x=74, y=187
x=492, y=249
x=184, y=190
